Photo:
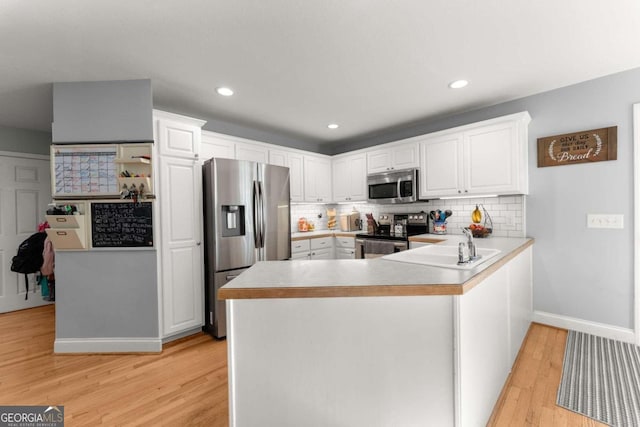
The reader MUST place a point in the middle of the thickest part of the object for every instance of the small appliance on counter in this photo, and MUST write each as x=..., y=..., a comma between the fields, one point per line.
x=350, y=221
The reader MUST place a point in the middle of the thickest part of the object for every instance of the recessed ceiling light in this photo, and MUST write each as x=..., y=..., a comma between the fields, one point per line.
x=224, y=91
x=458, y=84
x=333, y=126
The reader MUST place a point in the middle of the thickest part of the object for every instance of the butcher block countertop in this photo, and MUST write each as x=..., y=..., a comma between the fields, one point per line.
x=368, y=277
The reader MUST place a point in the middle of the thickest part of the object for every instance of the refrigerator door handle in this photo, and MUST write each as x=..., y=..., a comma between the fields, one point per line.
x=256, y=220
x=262, y=224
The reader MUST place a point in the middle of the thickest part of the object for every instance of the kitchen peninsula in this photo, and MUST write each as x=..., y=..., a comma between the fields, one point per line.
x=376, y=342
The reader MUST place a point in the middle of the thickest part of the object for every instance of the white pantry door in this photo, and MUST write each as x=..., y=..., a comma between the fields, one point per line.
x=25, y=191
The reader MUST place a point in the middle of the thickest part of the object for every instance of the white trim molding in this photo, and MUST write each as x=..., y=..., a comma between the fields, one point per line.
x=107, y=345
x=594, y=328
x=636, y=221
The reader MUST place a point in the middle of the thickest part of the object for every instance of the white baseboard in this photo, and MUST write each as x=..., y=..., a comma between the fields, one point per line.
x=594, y=328
x=182, y=334
x=107, y=345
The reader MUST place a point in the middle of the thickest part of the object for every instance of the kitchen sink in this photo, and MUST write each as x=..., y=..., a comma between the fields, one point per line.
x=441, y=256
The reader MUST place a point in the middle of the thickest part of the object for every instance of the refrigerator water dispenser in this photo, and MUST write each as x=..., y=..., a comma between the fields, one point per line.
x=233, y=217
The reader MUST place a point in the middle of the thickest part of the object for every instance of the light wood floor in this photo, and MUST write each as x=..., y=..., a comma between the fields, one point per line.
x=186, y=385
x=529, y=396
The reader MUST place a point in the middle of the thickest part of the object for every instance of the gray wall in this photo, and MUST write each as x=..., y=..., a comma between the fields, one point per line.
x=578, y=272
x=106, y=294
x=24, y=141
x=106, y=111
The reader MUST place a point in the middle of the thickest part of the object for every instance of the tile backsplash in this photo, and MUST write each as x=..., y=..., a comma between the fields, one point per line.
x=507, y=213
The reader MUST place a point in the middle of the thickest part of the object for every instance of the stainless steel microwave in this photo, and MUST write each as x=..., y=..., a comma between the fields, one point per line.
x=399, y=186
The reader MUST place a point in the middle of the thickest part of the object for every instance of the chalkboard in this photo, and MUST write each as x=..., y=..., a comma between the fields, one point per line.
x=121, y=225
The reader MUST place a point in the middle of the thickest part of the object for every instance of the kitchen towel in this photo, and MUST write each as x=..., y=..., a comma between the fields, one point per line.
x=601, y=379
x=378, y=247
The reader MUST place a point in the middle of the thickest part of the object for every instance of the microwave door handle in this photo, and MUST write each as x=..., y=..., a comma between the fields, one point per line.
x=399, y=187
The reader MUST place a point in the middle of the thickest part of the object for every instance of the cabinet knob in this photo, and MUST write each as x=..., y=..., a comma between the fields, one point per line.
x=196, y=155
x=199, y=243
x=466, y=191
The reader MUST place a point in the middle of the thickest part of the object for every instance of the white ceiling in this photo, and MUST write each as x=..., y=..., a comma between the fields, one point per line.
x=299, y=65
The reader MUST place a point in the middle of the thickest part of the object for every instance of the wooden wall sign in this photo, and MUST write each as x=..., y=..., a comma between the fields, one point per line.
x=588, y=146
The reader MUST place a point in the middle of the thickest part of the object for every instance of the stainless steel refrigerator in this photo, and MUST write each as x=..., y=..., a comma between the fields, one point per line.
x=247, y=219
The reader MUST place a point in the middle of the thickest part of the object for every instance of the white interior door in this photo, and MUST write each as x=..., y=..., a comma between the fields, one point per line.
x=25, y=191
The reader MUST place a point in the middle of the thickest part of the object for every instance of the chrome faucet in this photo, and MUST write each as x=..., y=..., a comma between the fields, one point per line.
x=470, y=244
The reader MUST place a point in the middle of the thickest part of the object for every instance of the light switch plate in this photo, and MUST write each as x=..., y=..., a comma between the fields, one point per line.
x=605, y=221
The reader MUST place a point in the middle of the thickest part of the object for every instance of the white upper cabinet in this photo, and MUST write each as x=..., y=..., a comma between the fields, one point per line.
x=350, y=178
x=488, y=157
x=216, y=145
x=397, y=156
x=317, y=179
x=252, y=152
x=294, y=161
x=178, y=136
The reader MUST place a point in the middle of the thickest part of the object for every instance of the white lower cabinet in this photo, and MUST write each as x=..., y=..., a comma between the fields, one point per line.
x=322, y=248
x=300, y=249
x=345, y=247
x=321, y=254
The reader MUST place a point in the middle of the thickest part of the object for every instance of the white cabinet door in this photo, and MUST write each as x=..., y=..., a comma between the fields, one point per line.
x=490, y=159
x=317, y=179
x=213, y=145
x=252, y=152
x=294, y=162
x=301, y=255
x=378, y=161
x=441, y=171
x=178, y=136
x=345, y=253
x=350, y=178
x=296, y=176
x=405, y=156
x=180, y=199
x=321, y=254
x=401, y=156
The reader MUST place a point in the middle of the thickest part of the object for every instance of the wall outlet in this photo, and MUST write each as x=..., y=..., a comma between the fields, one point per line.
x=510, y=219
x=605, y=221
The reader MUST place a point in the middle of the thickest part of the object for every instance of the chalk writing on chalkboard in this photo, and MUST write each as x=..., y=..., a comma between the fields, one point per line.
x=120, y=225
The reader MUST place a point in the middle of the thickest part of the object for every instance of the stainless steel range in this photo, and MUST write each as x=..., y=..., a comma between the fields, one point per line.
x=392, y=234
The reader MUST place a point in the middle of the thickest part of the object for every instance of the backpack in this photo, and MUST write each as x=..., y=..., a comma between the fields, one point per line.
x=29, y=258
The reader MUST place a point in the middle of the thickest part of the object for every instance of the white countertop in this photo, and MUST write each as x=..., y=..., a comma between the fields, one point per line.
x=319, y=233
x=317, y=278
